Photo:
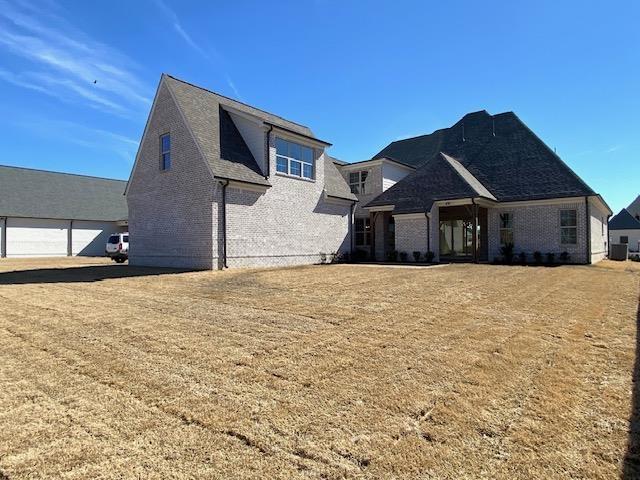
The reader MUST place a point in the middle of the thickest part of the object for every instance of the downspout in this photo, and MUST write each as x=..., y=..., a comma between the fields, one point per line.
x=351, y=229
x=608, y=238
x=267, y=154
x=3, y=238
x=70, y=239
x=224, y=223
x=588, y=218
x=426, y=215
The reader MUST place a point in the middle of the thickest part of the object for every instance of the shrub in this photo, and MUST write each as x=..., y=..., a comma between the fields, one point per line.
x=392, y=256
x=564, y=257
x=523, y=258
x=551, y=258
x=360, y=255
x=416, y=256
x=537, y=257
x=429, y=256
x=496, y=261
x=323, y=257
x=507, y=253
x=403, y=256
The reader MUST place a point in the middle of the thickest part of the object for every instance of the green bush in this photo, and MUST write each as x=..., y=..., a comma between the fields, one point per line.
x=403, y=256
x=416, y=256
x=429, y=256
x=537, y=257
x=392, y=256
x=507, y=253
x=523, y=258
x=551, y=258
x=565, y=257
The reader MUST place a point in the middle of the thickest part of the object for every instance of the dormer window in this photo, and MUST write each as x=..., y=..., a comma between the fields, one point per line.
x=294, y=159
x=357, y=182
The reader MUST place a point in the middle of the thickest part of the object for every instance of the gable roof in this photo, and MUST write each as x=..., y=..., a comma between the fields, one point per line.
x=43, y=194
x=624, y=221
x=634, y=207
x=206, y=115
x=499, y=151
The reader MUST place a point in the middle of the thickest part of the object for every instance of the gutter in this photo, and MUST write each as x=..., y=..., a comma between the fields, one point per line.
x=224, y=223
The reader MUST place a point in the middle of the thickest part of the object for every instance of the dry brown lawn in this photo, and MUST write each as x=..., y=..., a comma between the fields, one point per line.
x=463, y=371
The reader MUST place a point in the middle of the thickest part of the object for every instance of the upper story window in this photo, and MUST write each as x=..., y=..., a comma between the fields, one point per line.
x=506, y=228
x=165, y=152
x=568, y=227
x=294, y=159
x=357, y=181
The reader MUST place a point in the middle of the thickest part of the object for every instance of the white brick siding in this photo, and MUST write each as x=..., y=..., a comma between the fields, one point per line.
x=170, y=212
x=599, y=234
x=537, y=228
x=411, y=234
x=289, y=224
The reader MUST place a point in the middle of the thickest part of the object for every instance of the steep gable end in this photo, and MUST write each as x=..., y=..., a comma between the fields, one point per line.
x=624, y=221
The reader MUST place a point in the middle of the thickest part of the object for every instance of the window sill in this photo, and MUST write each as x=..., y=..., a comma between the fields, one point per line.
x=295, y=177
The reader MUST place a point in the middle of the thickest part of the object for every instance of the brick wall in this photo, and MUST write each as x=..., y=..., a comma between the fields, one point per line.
x=537, y=228
x=170, y=212
x=289, y=224
x=599, y=240
x=411, y=234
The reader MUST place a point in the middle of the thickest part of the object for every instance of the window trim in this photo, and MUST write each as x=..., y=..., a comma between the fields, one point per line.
x=569, y=227
x=506, y=229
x=163, y=168
x=365, y=232
x=360, y=183
x=289, y=160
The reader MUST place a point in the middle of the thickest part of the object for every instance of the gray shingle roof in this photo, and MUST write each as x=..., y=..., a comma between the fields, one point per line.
x=42, y=194
x=634, y=207
x=202, y=108
x=334, y=183
x=500, y=151
x=624, y=221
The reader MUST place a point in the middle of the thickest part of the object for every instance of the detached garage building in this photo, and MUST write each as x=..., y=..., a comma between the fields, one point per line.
x=47, y=214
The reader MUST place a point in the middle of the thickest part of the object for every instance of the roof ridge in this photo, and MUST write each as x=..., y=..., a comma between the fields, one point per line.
x=234, y=100
x=63, y=173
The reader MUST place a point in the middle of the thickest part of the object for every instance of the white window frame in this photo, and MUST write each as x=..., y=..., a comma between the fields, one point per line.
x=508, y=229
x=300, y=160
x=358, y=187
x=366, y=231
x=163, y=165
x=569, y=227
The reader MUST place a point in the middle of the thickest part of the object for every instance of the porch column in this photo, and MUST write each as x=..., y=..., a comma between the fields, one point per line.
x=475, y=233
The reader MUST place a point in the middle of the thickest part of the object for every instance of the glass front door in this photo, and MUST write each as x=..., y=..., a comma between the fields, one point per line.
x=456, y=238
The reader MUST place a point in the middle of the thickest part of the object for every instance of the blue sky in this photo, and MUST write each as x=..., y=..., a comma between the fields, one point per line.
x=360, y=74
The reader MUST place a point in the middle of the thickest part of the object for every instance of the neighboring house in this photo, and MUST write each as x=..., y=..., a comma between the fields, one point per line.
x=220, y=183
x=625, y=228
x=58, y=214
x=634, y=208
x=485, y=182
x=367, y=180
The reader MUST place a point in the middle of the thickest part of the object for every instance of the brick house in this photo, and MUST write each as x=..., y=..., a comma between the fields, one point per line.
x=219, y=183
x=485, y=182
x=625, y=226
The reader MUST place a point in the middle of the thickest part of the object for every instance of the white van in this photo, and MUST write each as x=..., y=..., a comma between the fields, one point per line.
x=118, y=247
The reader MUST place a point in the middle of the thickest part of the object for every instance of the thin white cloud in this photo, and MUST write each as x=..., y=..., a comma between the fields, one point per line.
x=177, y=26
x=78, y=134
x=613, y=148
x=68, y=60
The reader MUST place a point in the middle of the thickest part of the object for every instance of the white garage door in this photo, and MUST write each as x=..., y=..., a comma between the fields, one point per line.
x=89, y=238
x=31, y=237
